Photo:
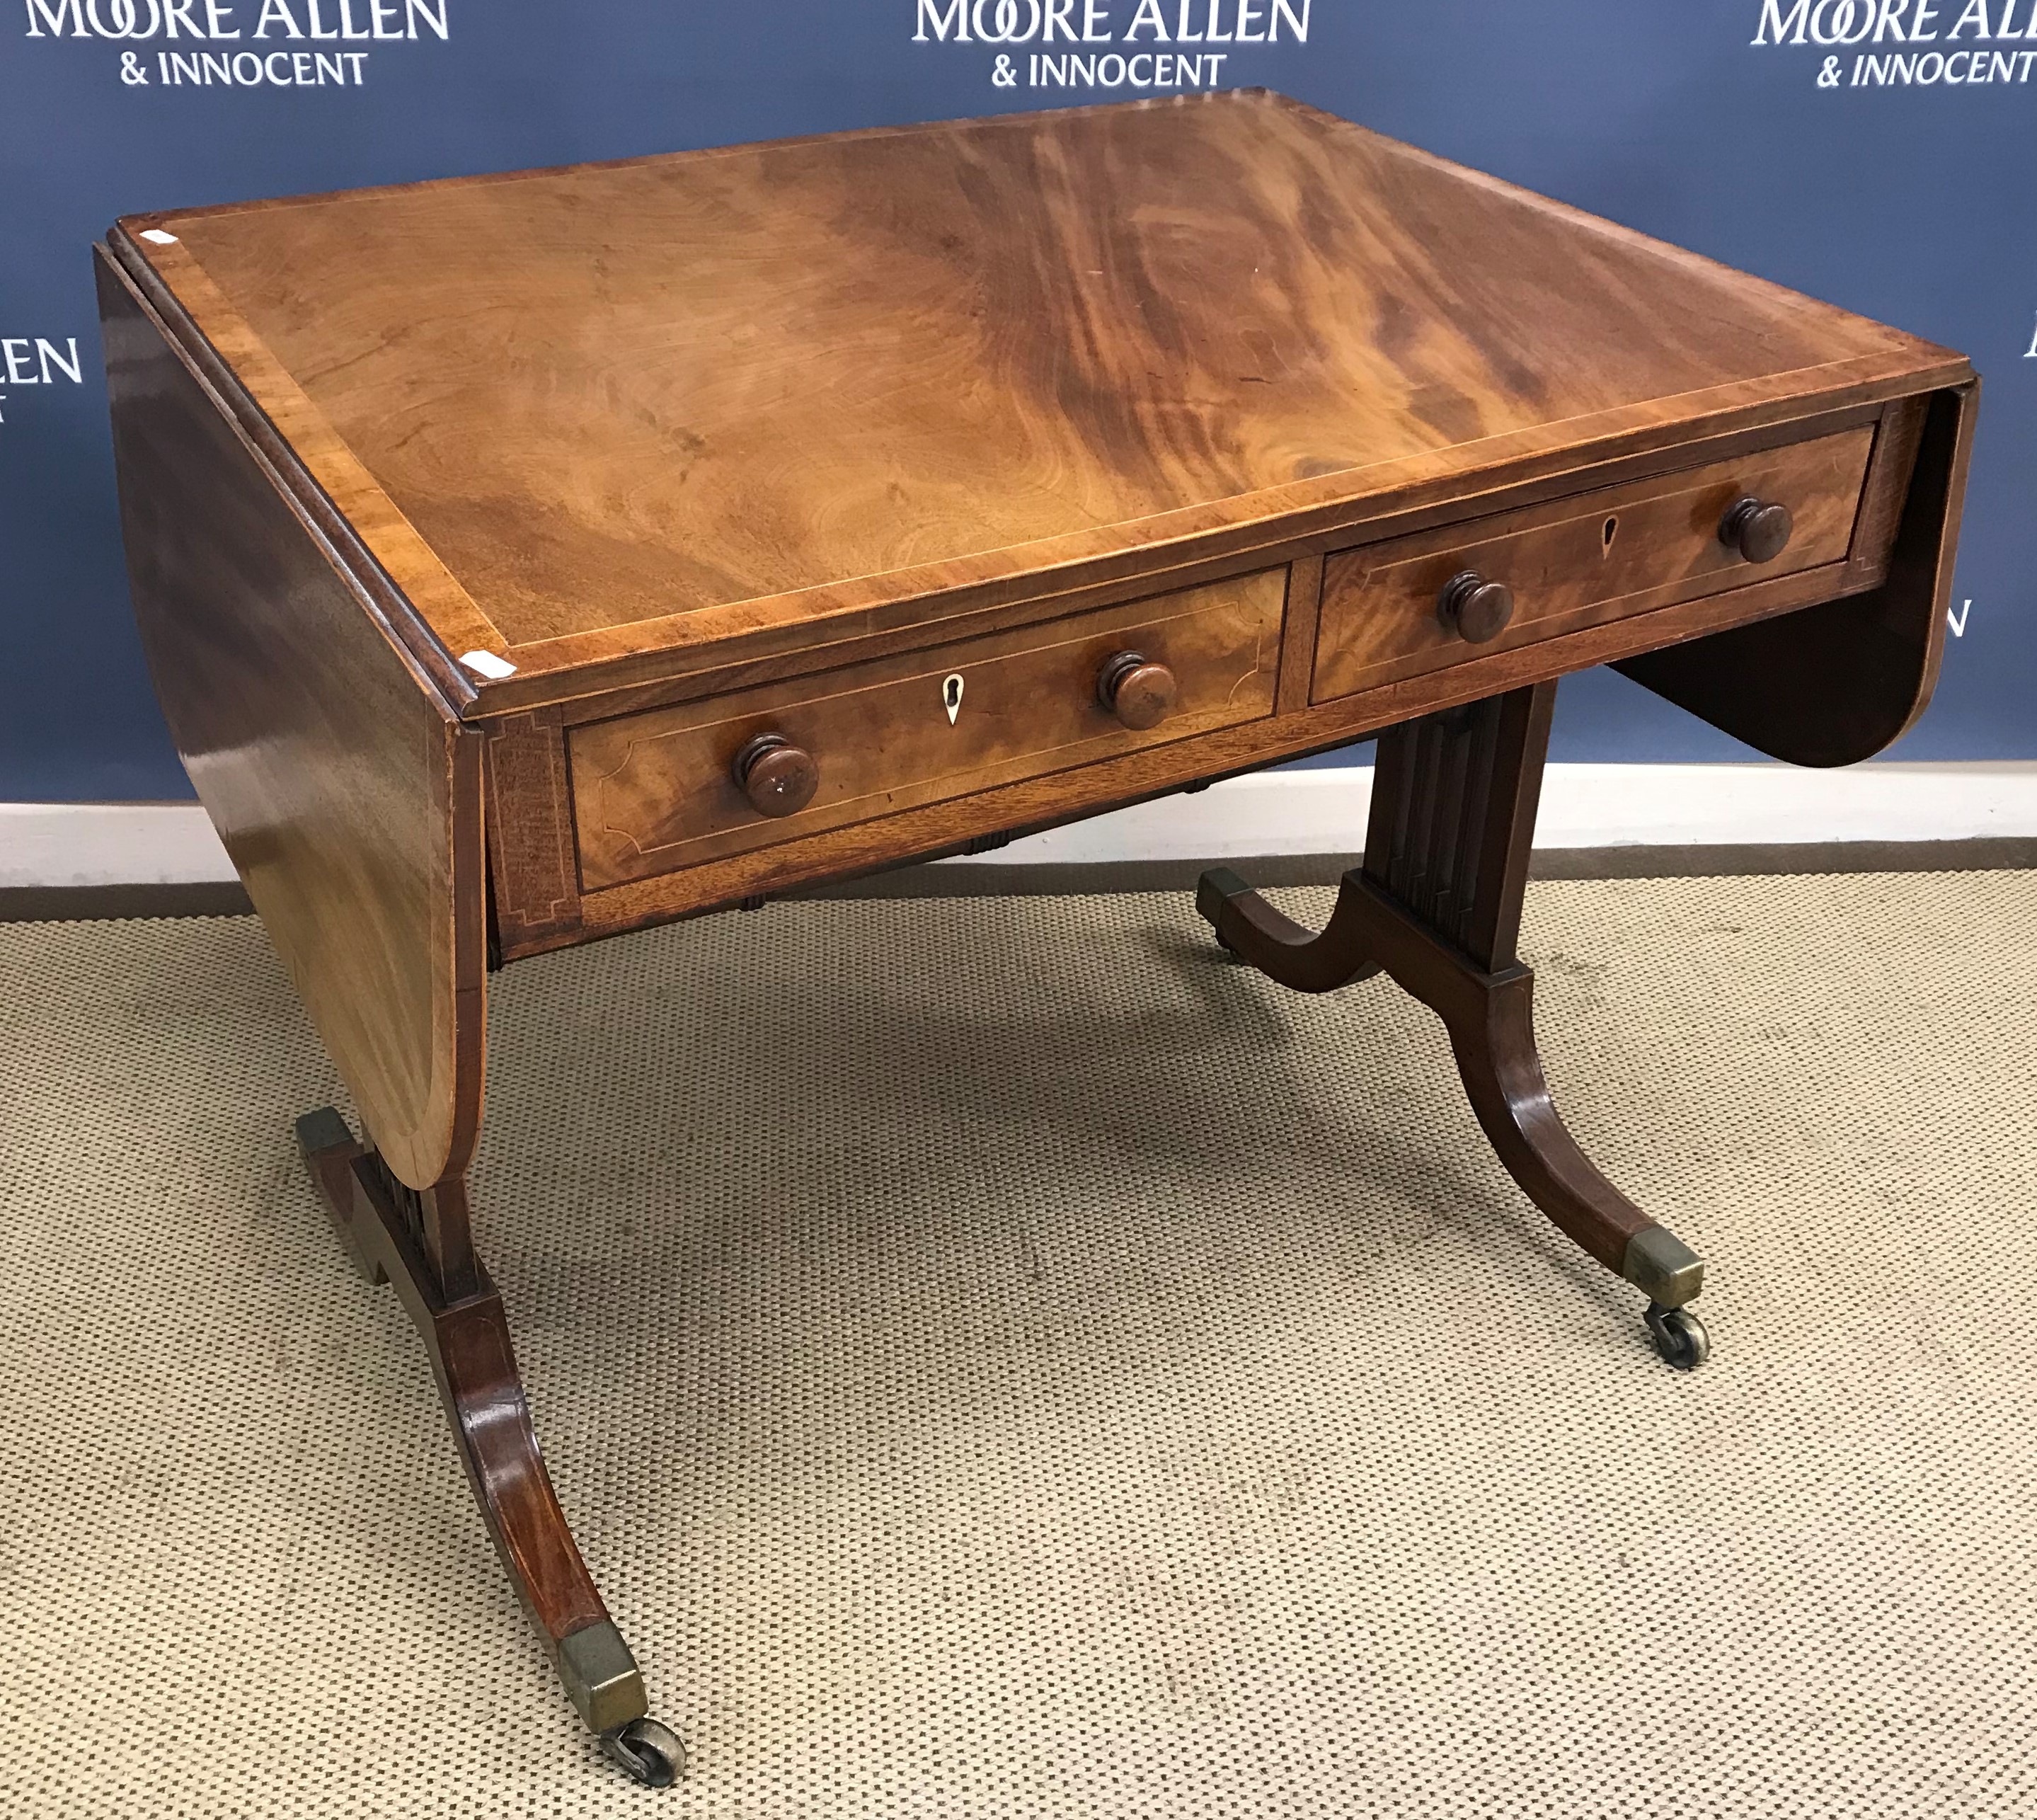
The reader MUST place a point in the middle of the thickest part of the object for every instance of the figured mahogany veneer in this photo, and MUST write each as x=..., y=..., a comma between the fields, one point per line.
x=524, y=559
x=624, y=421
x=345, y=790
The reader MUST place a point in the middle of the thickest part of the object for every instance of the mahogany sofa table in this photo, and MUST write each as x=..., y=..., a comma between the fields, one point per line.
x=525, y=559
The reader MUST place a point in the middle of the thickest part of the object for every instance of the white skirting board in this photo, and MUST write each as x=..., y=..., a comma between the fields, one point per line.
x=1271, y=814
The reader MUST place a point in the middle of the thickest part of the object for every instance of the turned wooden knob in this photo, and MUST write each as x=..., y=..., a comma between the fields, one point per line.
x=1140, y=692
x=1474, y=608
x=1758, y=528
x=777, y=777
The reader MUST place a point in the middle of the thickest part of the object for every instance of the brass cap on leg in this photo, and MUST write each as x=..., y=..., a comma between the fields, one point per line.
x=601, y=1676
x=1661, y=1264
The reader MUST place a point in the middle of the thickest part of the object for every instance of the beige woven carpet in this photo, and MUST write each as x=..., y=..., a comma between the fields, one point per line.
x=1002, y=1360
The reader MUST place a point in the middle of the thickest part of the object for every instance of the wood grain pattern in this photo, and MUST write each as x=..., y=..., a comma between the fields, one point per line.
x=458, y=625
x=1874, y=656
x=533, y=863
x=634, y=407
x=1604, y=554
x=1297, y=638
x=654, y=791
x=618, y=684
x=1897, y=432
x=346, y=792
x=389, y=605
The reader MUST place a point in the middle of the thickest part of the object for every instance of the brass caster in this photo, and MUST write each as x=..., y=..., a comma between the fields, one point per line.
x=646, y=1752
x=1679, y=1336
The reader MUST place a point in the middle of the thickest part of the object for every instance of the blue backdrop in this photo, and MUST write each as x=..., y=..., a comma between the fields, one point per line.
x=1878, y=153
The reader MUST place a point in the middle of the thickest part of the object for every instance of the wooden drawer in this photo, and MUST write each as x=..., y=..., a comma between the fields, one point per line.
x=1578, y=562
x=654, y=792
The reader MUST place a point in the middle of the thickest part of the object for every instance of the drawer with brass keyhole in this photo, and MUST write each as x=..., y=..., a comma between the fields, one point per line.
x=672, y=787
